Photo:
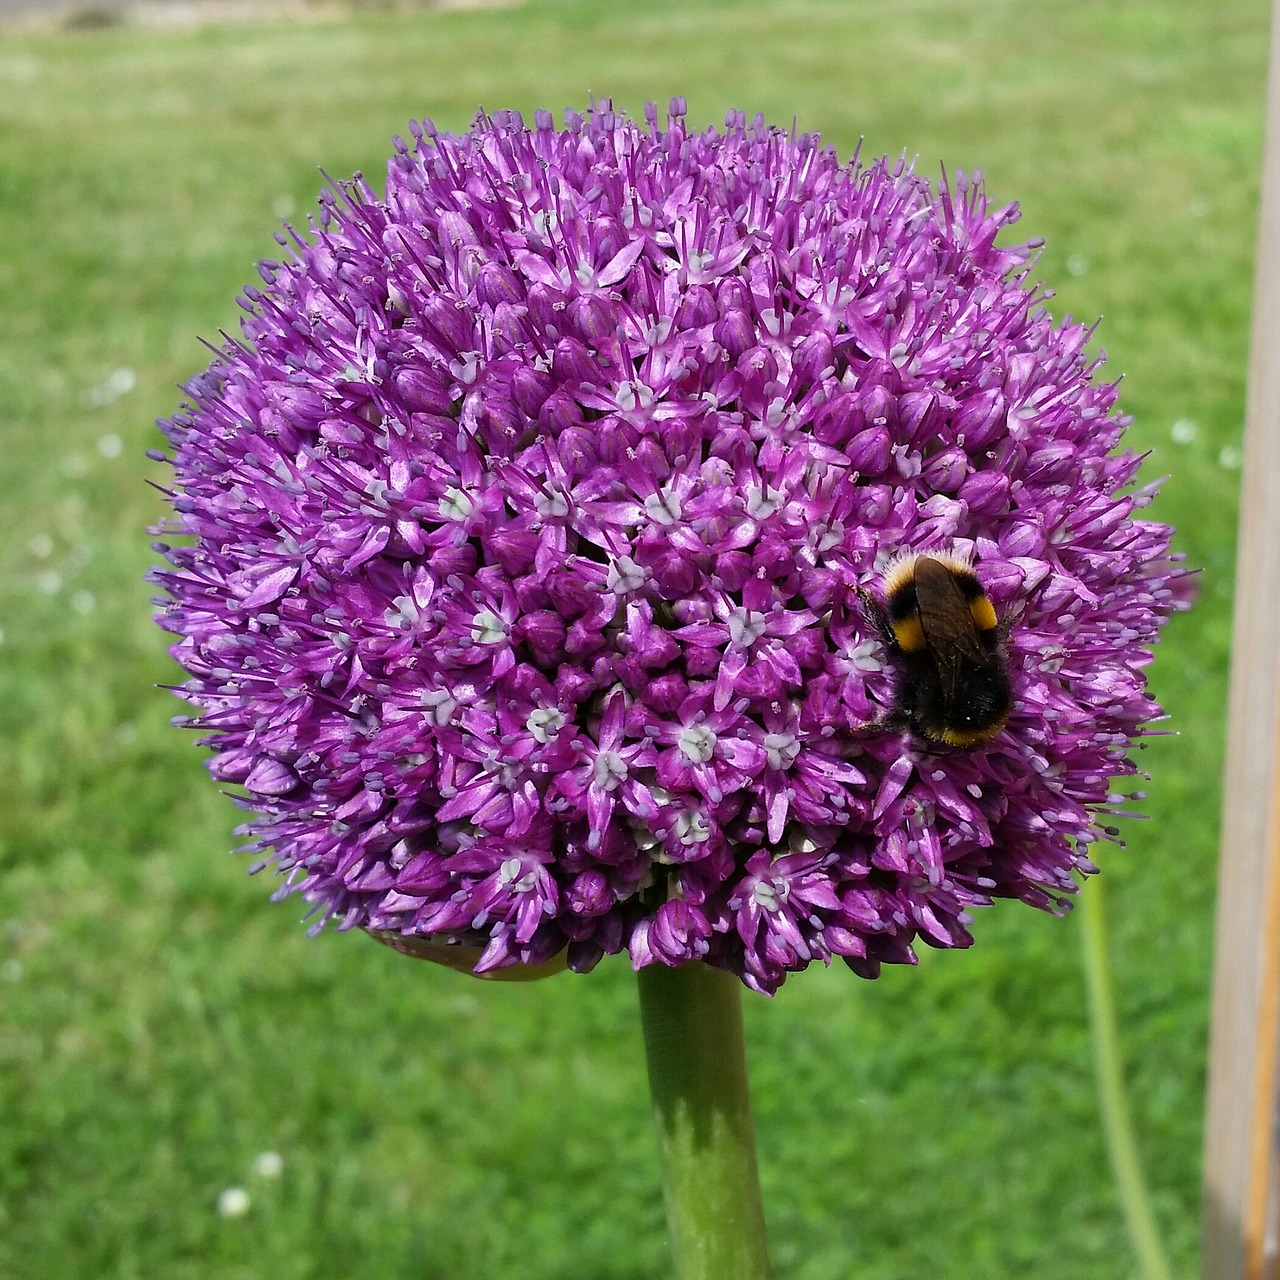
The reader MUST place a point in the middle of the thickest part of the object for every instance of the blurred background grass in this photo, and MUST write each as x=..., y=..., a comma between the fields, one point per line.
x=161, y=1025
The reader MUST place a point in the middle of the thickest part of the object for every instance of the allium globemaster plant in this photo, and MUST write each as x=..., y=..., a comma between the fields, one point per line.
x=525, y=524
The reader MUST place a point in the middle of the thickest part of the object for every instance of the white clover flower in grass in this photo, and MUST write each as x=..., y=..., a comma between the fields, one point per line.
x=234, y=1202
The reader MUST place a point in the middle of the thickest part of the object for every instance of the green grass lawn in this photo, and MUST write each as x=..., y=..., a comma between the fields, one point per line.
x=162, y=1025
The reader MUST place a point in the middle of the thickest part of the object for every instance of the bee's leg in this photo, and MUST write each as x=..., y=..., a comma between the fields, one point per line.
x=1011, y=617
x=877, y=620
x=872, y=728
x=889, y=722
x=874, y=616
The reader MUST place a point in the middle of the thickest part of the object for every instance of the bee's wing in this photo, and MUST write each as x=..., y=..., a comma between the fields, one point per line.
x=949, y=628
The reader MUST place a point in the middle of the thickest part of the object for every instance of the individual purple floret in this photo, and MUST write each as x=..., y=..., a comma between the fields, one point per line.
x=523, y=529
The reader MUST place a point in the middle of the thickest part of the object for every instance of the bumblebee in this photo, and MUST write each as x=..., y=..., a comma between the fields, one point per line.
x=948, y=647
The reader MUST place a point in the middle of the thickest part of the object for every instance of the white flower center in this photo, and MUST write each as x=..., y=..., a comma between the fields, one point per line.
x=663, y=507
x=488, y=628
x=404, y=615
x=609, y=770
x=907, y=461
x=544, y=723
x=865, y=656
x=465, y=367
x=762, y=503
x=768, y=894
x=746, y=626
x=440, y=704
x=551, y=505
x=781, y=748
x=624, y=576
x=692, y=828
x=455, y=505
x=697, y=742
x=822, y=537
x=509, y=875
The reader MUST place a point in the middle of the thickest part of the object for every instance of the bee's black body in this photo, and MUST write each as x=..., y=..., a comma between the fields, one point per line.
x=948, y=647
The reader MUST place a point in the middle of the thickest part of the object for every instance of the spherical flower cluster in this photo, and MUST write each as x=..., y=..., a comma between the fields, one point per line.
x=524, y=529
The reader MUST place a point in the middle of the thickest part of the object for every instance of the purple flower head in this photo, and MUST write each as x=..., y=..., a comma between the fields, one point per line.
x=522, y=535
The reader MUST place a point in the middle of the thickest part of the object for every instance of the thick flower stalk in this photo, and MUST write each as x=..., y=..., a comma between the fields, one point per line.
x=524, y=529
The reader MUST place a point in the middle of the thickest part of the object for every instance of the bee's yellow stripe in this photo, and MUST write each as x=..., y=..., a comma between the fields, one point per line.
x=971, y=737
x=983, y=613
x=909, y=634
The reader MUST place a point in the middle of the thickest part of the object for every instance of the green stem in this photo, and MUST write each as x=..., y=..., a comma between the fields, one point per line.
x=692, y=1018
x=1121, y=1146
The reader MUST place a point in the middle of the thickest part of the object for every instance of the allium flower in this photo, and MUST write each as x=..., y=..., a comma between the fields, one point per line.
x=524, y=529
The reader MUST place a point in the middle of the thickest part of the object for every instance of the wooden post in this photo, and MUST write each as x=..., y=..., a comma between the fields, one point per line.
x=1242, y=1172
